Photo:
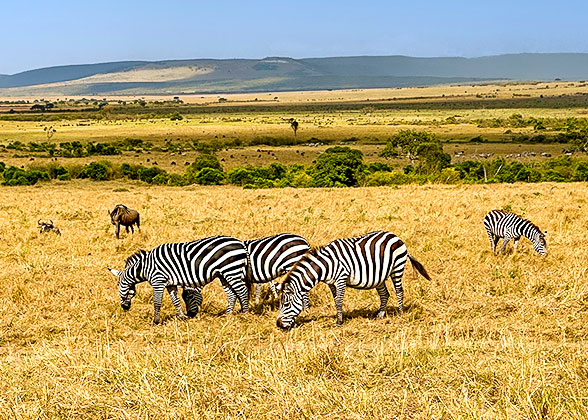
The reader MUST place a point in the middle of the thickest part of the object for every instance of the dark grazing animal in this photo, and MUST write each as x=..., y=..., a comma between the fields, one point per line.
x=48, y=227
x=363, y=262
x=122, y=215
x=268, y=259
x=500, y=224
x=190, y=265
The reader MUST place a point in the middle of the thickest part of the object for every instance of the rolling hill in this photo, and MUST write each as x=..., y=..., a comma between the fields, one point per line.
x=283, y=73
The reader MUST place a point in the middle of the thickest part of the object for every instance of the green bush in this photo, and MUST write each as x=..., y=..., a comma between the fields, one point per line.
x=96, y=171
x=209, y=176
x=17, y=176
x=382, y=178
x=160, y=179
x=147, y=174
x=205, y=160
x=581, y=172
x=338, y=167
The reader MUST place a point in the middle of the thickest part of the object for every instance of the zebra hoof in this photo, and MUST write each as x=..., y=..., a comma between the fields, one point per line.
x=381, y=315
x=191, y=314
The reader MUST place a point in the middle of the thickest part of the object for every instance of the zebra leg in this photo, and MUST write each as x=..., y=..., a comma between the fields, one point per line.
x=231, y=296
x=238, y=285
x=173, y=294
x=384, y=295
x=340, y=292
x=157, y=298
x=397, y=281
x=493, y=240
x=504, y=243
x=516, y=243
x=333, y=290
x=257, y=292
x=273, y=288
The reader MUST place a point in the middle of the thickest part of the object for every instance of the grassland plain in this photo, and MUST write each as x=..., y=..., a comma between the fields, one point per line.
x=494, y=337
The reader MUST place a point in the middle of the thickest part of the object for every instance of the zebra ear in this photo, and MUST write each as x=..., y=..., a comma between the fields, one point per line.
x=114, y=272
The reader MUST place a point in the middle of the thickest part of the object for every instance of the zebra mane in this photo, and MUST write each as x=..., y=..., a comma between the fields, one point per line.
x=135, y=257
x=533, y=225
x=314, y=251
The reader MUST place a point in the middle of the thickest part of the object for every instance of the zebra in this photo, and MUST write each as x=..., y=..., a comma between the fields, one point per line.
x=268, y=259
x=363, y=262
x=500, y=224
x=188, y=264
x=122, y=215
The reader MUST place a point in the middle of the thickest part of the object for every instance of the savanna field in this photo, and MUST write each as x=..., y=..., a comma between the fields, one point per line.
x=492, y=337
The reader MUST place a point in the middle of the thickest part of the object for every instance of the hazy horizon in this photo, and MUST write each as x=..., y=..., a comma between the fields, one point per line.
x=70, y=33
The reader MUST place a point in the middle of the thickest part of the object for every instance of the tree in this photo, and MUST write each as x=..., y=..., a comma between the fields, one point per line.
x=418, y=145
x=38, y=108
x=294, y=125
x=338, y=167
x=49, y=132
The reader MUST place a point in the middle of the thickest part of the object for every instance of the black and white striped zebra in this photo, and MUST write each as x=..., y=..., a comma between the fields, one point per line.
x=188, y=264
x=268, y=259
x=363, y=262
x=500, y=224
x=272, y=257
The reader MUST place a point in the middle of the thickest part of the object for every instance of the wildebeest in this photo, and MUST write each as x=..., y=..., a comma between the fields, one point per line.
x=122, y=215
x=48, y=227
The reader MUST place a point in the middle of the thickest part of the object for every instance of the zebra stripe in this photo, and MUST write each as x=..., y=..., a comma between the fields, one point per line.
x=363, y=262
x=500, y=224
x=268, y=259
x=190, y=265
x=272, y=257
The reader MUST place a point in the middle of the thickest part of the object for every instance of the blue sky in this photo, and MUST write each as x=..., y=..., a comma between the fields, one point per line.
x=37, y=34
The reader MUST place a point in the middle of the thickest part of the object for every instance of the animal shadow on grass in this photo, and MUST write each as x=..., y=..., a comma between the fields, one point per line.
x=367, y=313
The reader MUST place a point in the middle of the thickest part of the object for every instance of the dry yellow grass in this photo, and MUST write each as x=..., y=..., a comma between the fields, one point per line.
x=494, y=337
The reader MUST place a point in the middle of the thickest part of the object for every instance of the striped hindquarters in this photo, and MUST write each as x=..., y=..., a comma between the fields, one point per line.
x=273, y=256
x=371, y=258
x=194, y=264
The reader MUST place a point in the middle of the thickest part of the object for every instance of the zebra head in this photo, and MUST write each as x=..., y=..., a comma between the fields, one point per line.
x=129, y=277
x=291, y=304
x=299, y=280
x=539, y=243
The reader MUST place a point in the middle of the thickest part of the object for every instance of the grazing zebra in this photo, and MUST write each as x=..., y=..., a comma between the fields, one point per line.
x=268, y=259
x=188, y=264
x=363, y=262
x=500, y=224
x=122, y=215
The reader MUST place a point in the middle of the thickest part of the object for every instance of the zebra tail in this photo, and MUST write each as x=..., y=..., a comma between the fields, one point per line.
x=419, y=267
x=249, y=280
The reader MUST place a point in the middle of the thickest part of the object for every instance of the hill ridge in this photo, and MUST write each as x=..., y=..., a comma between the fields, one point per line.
x=287, y=73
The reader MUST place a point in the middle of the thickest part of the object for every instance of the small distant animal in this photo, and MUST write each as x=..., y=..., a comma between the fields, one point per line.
x=48, y=227
x=122, y=215
x=363, y=262
x=501, y=224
